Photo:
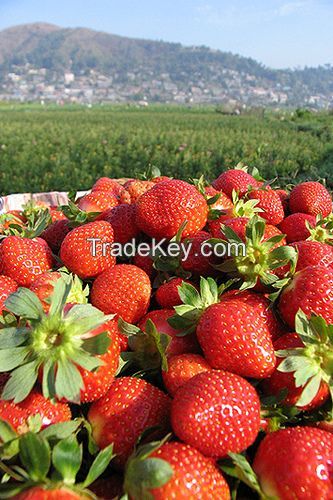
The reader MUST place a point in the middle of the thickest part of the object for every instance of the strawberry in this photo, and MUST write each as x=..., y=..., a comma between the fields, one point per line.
x=96, y=383
x=164, y=208
x=55, y=234
x=160, y=178
x=223, y=202
x=196, y=262
x=216, y=412
x=59, y=346
x=167, y=295
x=178, y=344
x=97, y=201
x=182, y=368
x=174, y=470
x=23, y=259
x=122, y=219
x=302, y=465
x=135, y=188
x=237, y=224
x=281, y=380
x=295, y=226
x=146, y=263
x=129, y=407
x=311, y=290
x=105, y=184
x=124, y=290
x=17, y=414
x=241, y=208
x=234, y=180
x=234, y=337
x=7, y=286
x=313, y=253
x=270, y=203
x=262, y=305
x=284, y=197
x=310, y=198
x=86, y=250
x=56, y=214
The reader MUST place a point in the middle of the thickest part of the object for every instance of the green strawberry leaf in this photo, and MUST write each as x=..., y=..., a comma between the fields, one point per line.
x=145, y=474
x=21, y=382
x=7, y=432
x=67, y=459
x=60, y=294
x=99, y=465
x=68, y=382
x=98, y=344
x=13, y=337
x=62, y=430
x=25, y=303
x=35, y=455
x=243, y=471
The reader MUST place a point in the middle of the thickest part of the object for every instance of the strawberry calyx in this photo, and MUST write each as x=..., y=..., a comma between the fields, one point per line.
x=144, y=472
x=75, y=215
x=35, y=224
x=260, y=258
x=312, y=364
x=54, y=345
x=148, y=346
x=194, y=303
x=52, y=465
x=322, y=231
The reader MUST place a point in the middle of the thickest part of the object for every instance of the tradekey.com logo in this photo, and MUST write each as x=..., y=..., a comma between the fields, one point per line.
x=165, y=248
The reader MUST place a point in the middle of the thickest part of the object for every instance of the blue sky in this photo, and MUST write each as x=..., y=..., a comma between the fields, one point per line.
x=278, y=33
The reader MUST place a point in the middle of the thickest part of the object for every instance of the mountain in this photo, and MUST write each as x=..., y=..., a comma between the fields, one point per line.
x=45, y=62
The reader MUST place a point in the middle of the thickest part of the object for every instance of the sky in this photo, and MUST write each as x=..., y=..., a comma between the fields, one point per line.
x=277, y=33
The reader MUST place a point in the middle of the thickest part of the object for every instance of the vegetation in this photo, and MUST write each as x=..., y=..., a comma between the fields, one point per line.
x=52, y=148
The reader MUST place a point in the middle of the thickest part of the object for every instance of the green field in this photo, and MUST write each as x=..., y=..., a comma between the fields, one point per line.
x=52, y=148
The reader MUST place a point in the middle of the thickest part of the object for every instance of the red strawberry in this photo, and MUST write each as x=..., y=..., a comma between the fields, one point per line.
x=163, y=209
x=270, y=203
x=7, y=286
x=234, y=180
x=43, y=287
x=216, y=412
x=237, y=224
x=106, y=184
x=313, y=253
x=23, y=259
x=223, y=202
x=296, y=463
x=196, y=262
x=182, y=368
x=311, y=290
x=279, y=380
x=64, y=344
x=84, y=258
x=56, y=214
x=294, y=226
x=160, y=178
x=310, y=198
x=187, y=475
x=167, y=294
x=124, y=290
x=284, y=197
x=262, y=305
x=122, y=219
x=17, y=414
x=234, y=337
x=178, y=344
x=53, y=493
x=97, y=201
x=55, y=234
x=135, y=188
x=97, y=383
x=146, y=263
x=129, y=407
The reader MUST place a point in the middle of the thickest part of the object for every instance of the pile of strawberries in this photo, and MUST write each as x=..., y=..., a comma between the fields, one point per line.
x=160, y=376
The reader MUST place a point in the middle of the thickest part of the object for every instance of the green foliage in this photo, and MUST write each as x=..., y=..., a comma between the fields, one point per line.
x=52, y=148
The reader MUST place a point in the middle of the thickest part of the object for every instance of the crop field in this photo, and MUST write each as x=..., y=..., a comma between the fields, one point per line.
x=53, y=148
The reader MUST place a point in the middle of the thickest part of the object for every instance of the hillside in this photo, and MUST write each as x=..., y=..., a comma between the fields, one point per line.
x=44, y=62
